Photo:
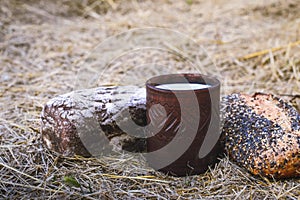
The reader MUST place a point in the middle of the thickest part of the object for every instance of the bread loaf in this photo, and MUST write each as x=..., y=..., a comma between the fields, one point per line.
x=71, y=124
x=262, y=133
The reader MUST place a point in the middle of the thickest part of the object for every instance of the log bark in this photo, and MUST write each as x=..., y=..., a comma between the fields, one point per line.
x=83, y=122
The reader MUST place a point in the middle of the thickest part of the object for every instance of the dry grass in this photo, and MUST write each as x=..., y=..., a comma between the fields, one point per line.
x=255, y=46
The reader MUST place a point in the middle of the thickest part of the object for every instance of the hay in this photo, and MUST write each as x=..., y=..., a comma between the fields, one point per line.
x=42, y=45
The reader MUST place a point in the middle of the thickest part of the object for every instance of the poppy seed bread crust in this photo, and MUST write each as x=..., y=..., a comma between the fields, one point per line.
x=262, y=133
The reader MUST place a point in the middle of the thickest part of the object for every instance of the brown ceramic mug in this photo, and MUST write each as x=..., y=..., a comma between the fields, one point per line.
x=183, y=123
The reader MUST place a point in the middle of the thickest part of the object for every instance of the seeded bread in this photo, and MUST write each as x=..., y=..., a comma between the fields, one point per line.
x=262, y=133
x=75, y=123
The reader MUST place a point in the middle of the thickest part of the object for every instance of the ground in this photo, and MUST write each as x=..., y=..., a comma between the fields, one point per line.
x=253, y=46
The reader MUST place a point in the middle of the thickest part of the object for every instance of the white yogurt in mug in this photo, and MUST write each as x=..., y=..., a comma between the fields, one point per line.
x=183, y=86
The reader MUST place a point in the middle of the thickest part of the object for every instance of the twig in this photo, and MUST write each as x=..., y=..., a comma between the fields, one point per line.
x=147, y=178
x=266, y=51
x=294, y=96
x=287, y=191
x=13, y=169
x=30, y=186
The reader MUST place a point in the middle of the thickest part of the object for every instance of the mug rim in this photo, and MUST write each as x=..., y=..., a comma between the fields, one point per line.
x=157, y=80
